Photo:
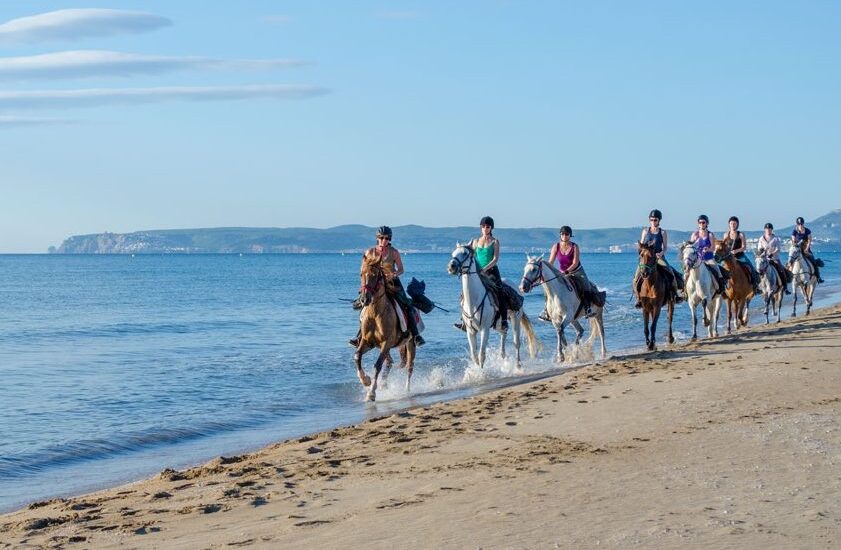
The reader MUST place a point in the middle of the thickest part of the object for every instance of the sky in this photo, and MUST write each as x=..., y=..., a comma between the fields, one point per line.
x=130, y=115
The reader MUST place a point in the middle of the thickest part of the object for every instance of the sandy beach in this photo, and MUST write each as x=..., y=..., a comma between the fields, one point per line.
x=731, y=443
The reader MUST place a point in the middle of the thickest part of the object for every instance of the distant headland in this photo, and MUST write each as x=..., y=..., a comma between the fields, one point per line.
x=408, y=238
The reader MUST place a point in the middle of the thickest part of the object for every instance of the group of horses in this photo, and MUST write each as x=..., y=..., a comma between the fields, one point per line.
x=380, y=326
x=702, y=288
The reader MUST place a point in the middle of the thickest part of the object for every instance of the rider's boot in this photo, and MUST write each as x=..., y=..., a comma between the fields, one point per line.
x=354, y=342
x=636, y=289
x=413, y=327
x=503, y=315
x=460, y=325
x=544, y=316
x=818, y=274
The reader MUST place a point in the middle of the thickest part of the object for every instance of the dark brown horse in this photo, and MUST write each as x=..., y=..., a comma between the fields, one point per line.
x=654, y=294
x=739, y=289
x=379, y=328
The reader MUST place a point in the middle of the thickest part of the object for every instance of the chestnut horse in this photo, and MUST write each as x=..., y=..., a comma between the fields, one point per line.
x=653, y=295
x=739, y=289
x=379, y=328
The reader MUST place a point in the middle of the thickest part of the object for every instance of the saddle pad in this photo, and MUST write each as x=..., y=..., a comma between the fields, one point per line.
x=401, y=317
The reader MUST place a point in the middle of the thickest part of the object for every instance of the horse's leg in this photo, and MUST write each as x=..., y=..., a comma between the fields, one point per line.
x=409, y=361
x=670, y=312
x=503, y=336
x=646, y=314
x=378, y=365
x=484, y=334
x=715, y=315
x=357, y=357
x=389, y=362
x=579, y=331
x=794, y=298
x=597, y=324
x=655, y=316
x=778, y=304
x=705, y=310
x=811, y=291
x=729, y=314
x=471, y=343
x=562, y=341
x=694, y=319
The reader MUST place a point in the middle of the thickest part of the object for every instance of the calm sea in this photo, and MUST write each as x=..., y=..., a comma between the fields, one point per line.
x=115, y=367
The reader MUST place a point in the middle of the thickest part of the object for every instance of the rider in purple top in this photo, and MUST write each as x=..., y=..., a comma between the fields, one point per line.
x=704, y=240
x=800, y=234
x=568, y=259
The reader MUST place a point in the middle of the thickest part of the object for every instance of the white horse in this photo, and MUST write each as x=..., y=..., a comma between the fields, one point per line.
x=478, y=310
x=803, y=276
x=771, y=286
x=700, y=289
x=562, y=303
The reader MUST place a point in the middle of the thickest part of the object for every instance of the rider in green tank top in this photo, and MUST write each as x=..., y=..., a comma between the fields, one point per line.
x=484, y=255
x=486, y=249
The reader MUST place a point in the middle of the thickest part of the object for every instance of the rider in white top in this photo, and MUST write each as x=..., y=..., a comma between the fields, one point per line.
x=770, y=244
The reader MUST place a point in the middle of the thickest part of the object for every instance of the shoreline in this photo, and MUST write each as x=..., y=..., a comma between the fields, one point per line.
x=475, y=465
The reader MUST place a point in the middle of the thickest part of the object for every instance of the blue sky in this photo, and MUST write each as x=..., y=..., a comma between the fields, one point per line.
x=156, y=115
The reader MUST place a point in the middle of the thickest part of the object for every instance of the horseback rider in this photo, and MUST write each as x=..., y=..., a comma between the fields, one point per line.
x=802, y=236
x=737, y=242
x=654, y=234
x=770, y=245
x=486, y=248
x=392, y=264
x=704, y=241
x=568, y=256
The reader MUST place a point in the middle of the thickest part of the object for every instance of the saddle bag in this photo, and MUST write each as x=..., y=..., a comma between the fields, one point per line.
x=416, y=290
x=512, y=297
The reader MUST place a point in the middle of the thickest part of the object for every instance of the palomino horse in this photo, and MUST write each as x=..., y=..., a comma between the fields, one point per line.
x=803, y=275
x=653, y=295
x=478, y=310
x=700, y=289
x=380, y=328
x=739, y=289
x=771, y=286
x=562, y=302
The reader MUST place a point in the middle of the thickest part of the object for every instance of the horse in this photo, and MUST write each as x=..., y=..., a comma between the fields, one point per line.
x=771, y=286
x=700, y=289
x=653, y=294
x=562, y=303
x=739, y=289
x=804, y=277
x=379, y=328
x=478, y=310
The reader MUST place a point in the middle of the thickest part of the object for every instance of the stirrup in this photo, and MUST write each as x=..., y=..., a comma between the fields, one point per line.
x=419, y=341
x=786, y=290
x=820, y=280
x=503, y=324
x=638, y=305
x=544, y=316
x=460, y=325
x=353, y=342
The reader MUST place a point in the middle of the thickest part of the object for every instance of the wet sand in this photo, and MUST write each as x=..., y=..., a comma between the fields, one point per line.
x=730, y=443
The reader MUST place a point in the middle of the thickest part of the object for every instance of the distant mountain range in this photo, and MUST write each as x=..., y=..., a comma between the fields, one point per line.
x=408, y=238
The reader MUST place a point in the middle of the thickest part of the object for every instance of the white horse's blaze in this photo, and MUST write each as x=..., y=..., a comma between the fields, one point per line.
x=700, y=289
x=561, y=303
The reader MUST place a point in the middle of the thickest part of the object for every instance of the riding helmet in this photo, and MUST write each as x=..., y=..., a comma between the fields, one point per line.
x=733, y=219
x=769, y=225
x=703, y=217
x=800, y=221
x=487, y=220
x=655, y=214
x=384, y=231
x=566, y=230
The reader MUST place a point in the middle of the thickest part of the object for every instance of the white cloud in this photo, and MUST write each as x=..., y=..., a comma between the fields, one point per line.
x=95, y=97
x=13, y=121
x=74, y=24
x=87, y=63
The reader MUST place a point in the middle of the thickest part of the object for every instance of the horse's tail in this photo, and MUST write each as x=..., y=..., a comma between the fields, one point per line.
x=534, y=344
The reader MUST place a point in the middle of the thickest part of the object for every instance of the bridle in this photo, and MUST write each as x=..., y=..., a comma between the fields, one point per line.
x=539, y=279
x=649, y=268
x=460, y=265
x=366, y=288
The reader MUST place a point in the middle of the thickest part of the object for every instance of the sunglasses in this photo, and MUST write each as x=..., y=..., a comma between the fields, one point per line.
x=702, y=222
x=653, y=220
x=384, y=238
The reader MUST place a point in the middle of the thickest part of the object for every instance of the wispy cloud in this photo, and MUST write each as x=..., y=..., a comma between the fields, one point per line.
x=7, y=121
x=74, y=24
x=95, y=97
x=88, y=63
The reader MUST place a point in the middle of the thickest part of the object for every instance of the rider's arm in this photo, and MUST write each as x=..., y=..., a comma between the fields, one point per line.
x=808, y=246
x=665, y=243
x=553, y=254
x=712, y=240
x=575, y=263
x=495, y=258
x=398, y=263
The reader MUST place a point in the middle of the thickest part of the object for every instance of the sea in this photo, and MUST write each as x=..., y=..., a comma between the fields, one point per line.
x=115, y=367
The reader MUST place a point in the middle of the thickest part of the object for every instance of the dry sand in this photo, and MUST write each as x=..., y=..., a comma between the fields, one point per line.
x=731, y=443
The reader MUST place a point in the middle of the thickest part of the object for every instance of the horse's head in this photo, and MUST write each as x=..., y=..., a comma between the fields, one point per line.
x=532, y=273
x=372, y=279
x=722, y=250
x=461, y=260
x=689, y=256
x=648, y=258
x=794, y=253
x=761, y=262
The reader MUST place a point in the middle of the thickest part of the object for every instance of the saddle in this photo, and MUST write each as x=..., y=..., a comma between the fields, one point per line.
x=504, y=291
x=720, y=281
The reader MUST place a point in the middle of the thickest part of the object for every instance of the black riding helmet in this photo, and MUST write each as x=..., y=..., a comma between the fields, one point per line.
x=487, y=220
x=800, y=220
x=566, y=230
x=384, y=231
x=655, y=214
x=769, y=225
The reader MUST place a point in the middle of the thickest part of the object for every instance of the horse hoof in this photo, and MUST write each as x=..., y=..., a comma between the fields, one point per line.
x=671, y=339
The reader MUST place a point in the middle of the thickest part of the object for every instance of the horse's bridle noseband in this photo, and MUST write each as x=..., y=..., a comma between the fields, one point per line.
x=462, y=267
